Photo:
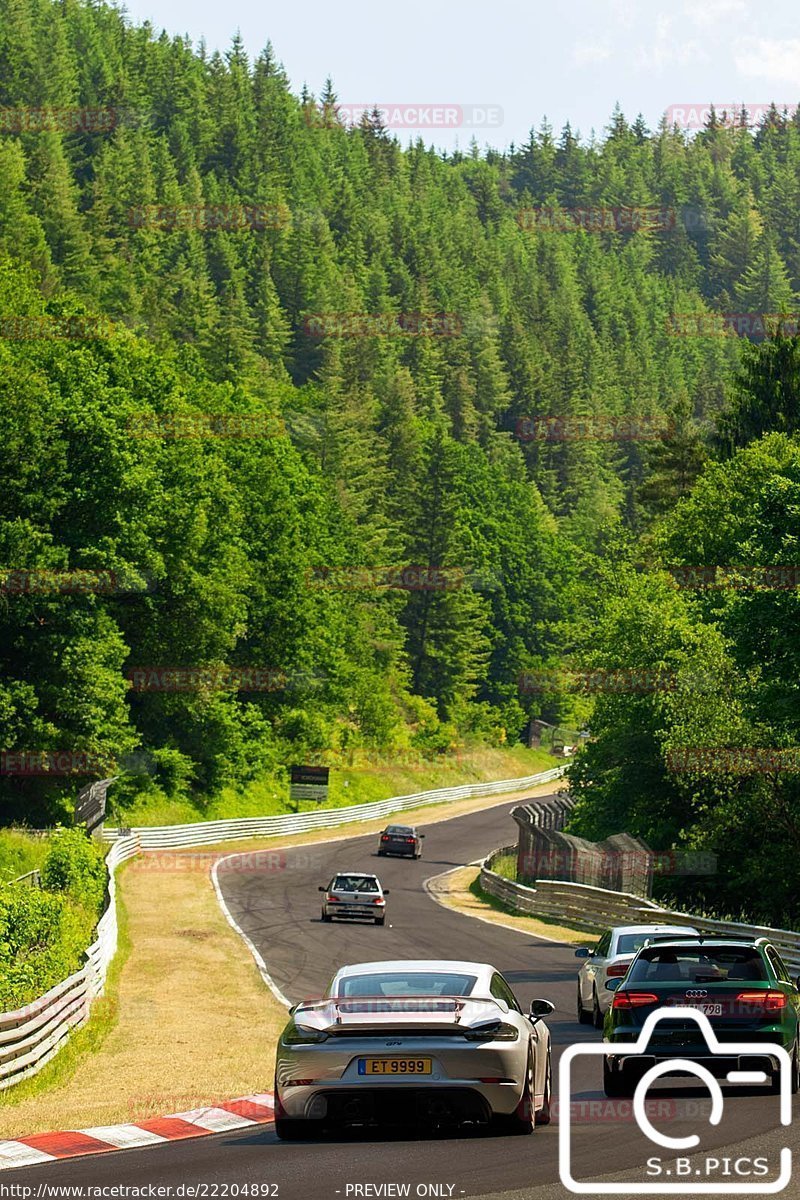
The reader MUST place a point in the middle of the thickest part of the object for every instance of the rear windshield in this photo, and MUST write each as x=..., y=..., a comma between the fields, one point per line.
x=408, y=983
x=629, y=943
x=354, y=883
x=701, y=964
x=402, y=830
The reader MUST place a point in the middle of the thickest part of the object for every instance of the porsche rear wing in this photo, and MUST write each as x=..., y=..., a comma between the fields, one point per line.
x=452, y=1013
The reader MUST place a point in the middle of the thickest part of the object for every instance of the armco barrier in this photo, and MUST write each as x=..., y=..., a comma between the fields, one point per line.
x=32, y=1035
x=168, y=837
x=594, y=909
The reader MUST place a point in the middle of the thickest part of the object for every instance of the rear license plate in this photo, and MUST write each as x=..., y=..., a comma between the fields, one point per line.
x=710, y=1010
x=394, y=1066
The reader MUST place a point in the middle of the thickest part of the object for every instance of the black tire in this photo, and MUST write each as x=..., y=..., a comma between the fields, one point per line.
x=794, y=1084
x=289, y=1130
x=598, y=1020
x=544, y=1114
x=522, y=1121
x=380, y=920
x=325, y=917
x=616, y=1084
x=584, y=1017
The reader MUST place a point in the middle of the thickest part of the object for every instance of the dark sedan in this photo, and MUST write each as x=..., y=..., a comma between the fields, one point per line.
x=403, y=840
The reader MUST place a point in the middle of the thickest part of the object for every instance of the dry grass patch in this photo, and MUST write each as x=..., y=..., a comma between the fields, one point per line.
x=194, y=1022
x=460, y=890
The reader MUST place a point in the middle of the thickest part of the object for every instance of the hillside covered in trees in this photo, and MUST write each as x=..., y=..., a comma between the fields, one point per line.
x=370, y=433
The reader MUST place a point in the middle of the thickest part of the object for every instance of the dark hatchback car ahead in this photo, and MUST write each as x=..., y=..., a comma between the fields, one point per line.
x=744, y=989
x=403, y=840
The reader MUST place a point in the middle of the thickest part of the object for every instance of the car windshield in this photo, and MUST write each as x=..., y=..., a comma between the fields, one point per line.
x=700, y=964
x=354, y=883
x=400, y=830
x=407, y=983
x=629, y=943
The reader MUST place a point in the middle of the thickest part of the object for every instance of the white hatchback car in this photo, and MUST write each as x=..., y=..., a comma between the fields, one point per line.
x=610, y=959
x=354, y=894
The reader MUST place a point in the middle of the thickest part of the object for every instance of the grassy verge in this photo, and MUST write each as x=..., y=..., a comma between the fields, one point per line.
x=358, y=784
x=461, y=890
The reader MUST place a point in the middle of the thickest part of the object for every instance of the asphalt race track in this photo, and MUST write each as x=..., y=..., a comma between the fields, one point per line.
x=277, y=906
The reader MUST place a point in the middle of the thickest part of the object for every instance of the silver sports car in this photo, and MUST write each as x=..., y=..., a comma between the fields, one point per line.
x=400, y=1042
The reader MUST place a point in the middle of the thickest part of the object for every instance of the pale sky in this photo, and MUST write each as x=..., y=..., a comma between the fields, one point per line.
x=495, y=69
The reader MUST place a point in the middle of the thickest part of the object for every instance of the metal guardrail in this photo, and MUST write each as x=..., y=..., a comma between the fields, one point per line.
x=31, y=1036
x=594, y=909
x=201, y=833
x=32, y=878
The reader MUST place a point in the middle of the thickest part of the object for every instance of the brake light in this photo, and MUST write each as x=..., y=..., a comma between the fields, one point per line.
x=769, y=1001
x=334, y=900
x=410, y=841
x=629, y=1000
x=385, y=837
x=377, y=900
x=617, y=970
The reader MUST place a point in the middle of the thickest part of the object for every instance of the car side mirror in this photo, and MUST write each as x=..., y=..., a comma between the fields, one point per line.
x=583, y=952
x=321, y=889
x=612, y=984
x=541, y=1008
x=422, y=836
x=386, y=891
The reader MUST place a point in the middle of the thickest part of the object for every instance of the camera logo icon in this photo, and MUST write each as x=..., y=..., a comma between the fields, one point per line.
x=683, y=1181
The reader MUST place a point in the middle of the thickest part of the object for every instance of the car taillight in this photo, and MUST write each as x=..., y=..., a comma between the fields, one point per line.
x=377, y=900
x=333, y=900
x=629, y=1000
x=385, y=837
x=410, y=841
x=617, y=970
x=769, y=1001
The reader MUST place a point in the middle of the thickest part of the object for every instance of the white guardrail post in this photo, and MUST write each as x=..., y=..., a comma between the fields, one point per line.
x=31, y=1036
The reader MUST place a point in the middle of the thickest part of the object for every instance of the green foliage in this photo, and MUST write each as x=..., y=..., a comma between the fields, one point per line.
x=75, y=866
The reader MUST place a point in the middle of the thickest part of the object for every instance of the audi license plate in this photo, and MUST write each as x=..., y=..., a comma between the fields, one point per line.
x=703, y=1006
x=394, y=1066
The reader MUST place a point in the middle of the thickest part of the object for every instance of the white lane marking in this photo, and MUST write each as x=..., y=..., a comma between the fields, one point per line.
x=123, y=1136
x=486, y=920
x=258, y=957
x=262, y=966
x=216, y=1120
x=17, y=1154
